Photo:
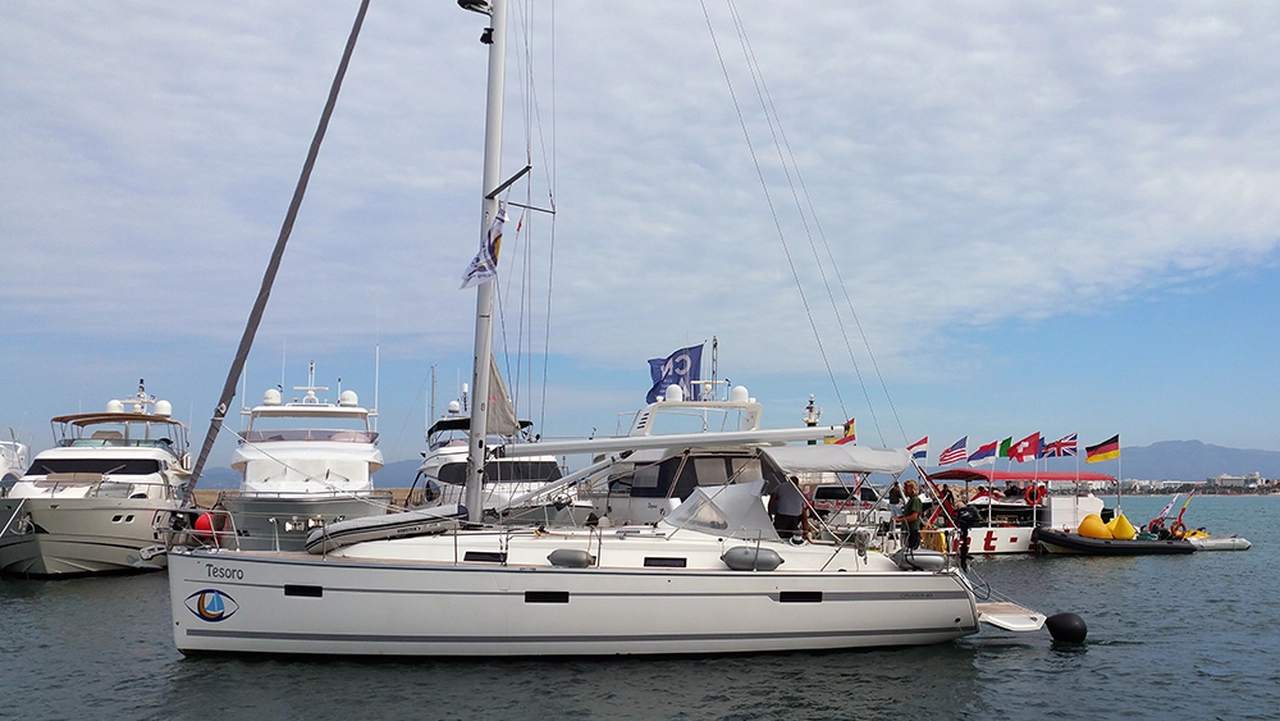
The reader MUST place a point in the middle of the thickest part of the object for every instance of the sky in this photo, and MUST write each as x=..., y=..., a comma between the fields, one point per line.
x=980, y=219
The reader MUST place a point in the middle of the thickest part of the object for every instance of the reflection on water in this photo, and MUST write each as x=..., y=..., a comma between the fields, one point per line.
x=1169, y=637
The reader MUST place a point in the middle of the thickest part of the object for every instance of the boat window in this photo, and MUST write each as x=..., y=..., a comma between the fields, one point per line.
x=711, y=471
x=657, y=480
x=521, y=471
x=114, y=466
x=454, y=474
x=665, y=562
x=646, y=476
x=310, y=434
x=503, y=472
x=745, y=470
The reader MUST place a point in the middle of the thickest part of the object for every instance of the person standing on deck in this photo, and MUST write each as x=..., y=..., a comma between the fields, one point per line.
x=910, y=518
x=788, y=510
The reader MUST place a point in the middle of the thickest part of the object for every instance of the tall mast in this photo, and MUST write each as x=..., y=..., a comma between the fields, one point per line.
x=496, y=37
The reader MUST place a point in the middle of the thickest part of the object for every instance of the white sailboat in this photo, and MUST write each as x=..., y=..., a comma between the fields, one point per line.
x=710, y=577
x=98, y=501
x=303, y=463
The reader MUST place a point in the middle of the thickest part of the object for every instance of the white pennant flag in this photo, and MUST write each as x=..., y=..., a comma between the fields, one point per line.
x=484, y=267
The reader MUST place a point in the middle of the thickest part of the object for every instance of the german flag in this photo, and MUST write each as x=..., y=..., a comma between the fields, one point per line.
x=1104, y=451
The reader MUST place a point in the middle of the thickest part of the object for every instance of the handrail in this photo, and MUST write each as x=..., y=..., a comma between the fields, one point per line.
x=12, y=516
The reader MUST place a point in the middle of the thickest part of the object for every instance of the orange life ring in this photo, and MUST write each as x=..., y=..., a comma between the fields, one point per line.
x=1034, y=494
x=1178, y=528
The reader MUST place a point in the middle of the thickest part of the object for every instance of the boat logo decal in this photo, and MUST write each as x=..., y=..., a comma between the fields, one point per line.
x=212, y=605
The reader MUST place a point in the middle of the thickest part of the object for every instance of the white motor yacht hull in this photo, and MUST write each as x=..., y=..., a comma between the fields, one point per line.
x=387, y=604
x=51, y=537
x=281, y=521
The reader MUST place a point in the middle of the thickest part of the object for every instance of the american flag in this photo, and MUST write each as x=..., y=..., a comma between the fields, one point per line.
x=1065, y=446
x=956, y=453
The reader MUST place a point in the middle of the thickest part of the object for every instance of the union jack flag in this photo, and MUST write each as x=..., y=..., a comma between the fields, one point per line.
x=1065, y=446
x=956, y=453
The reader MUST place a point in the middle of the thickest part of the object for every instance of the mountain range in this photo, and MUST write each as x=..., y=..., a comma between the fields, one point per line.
x=1162, y=461
x=1195, y=461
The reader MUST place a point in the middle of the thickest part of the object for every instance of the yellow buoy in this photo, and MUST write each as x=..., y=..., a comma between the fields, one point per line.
x=1093, y=527
x=1122, y=529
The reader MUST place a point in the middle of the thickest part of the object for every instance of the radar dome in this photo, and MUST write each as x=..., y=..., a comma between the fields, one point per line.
x=675, y=393
x=271, y=397
x=348, y=399
x=739, y=394
x=163, y=408
x=115, y=407
x=455, y=407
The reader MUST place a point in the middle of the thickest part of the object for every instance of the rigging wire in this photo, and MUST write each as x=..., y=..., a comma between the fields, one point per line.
x=522, y=337
x=786, y=157
x=806, y=211
x=773, y=211
x=550, y=165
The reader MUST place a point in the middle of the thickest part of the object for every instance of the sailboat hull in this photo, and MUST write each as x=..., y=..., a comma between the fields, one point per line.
x=285, y=603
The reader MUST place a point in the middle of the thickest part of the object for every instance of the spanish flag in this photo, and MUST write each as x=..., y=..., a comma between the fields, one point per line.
x=1104, y=451
x=850, y=436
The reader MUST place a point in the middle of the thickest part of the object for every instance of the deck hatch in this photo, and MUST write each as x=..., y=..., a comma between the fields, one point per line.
x=485, y=556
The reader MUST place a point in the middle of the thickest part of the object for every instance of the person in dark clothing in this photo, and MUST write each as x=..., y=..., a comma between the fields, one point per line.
x=912, y=512
x=948, y=501
x=895, y=494
x=788, y=510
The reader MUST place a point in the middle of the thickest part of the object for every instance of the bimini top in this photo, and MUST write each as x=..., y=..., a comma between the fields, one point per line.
x=837, y=458
x=80, y=420
x=992, y=476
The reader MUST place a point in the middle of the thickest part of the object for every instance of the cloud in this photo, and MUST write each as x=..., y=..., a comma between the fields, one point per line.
x=949, y=167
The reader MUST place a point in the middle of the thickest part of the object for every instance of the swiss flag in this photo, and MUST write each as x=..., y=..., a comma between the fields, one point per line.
x=1028, y=447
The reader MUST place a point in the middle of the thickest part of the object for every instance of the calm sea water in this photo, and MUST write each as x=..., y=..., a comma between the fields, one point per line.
x=1169, y=638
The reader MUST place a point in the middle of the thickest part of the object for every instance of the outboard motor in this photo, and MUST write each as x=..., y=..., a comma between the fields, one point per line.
x=967, y=517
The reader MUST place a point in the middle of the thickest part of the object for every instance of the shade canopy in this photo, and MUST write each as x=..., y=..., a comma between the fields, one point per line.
x=837, y=458
x=992, y=476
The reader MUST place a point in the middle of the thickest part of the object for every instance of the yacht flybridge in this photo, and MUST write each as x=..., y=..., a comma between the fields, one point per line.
x=98, y=501
x=711, y=577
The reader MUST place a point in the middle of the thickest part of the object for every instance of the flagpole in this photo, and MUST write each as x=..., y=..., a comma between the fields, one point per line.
x=1119, y=474
x=1119, y=480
